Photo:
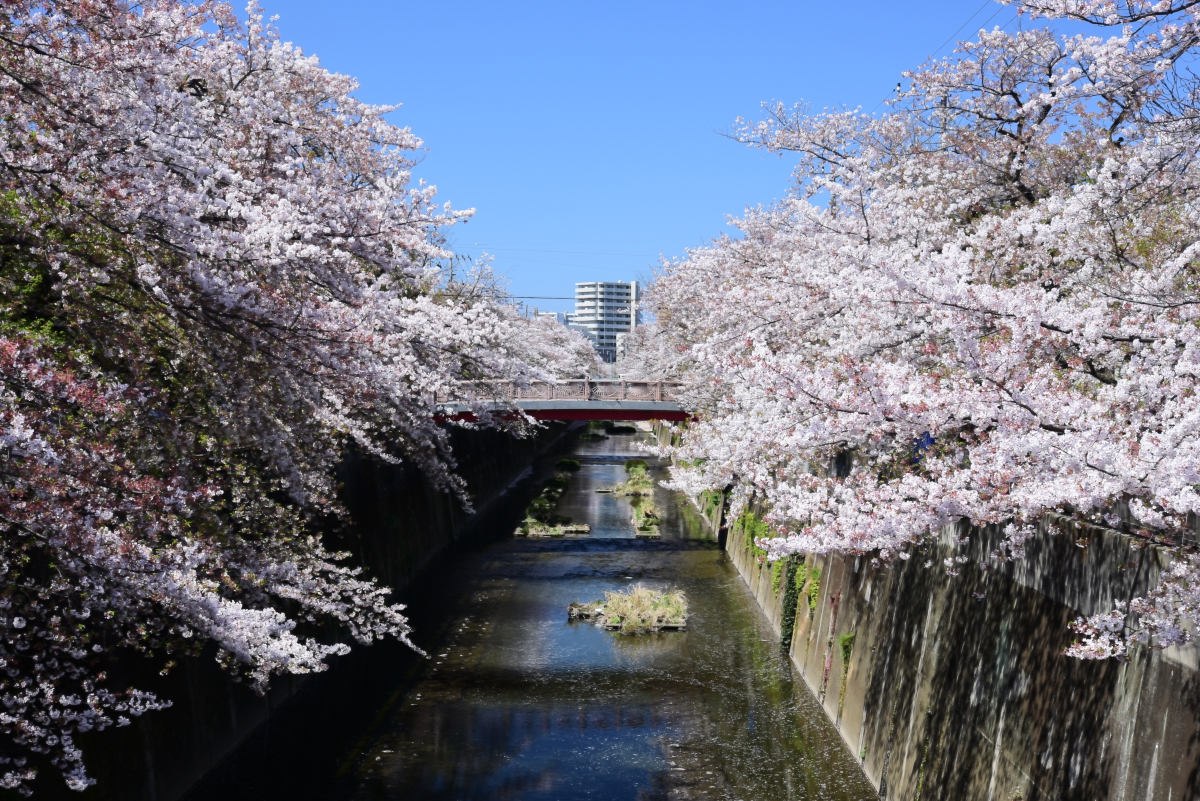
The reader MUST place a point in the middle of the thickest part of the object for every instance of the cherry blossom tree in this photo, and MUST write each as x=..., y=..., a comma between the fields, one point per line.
x=216, y=276
x=980, y=307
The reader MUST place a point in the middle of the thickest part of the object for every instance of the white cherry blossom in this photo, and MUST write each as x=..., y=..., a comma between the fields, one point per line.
x=217, y=277
x=980, y=306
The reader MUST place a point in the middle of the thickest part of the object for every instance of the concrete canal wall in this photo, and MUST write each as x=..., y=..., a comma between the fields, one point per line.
x=956, y=687
x=400, y=524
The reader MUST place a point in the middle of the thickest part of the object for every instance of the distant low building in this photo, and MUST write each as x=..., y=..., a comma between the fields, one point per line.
x=604, y=310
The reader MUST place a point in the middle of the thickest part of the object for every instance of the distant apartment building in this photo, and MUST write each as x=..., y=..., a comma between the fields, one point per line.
x=604, y=309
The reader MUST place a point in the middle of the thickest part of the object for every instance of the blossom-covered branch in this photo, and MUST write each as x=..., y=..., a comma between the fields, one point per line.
x=980, y=306
x=215, y=275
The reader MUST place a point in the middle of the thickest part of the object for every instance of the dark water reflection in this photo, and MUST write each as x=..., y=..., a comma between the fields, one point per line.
x=518, y=703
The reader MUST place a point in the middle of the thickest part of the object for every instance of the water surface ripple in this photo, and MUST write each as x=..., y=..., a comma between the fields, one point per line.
x=516, y=702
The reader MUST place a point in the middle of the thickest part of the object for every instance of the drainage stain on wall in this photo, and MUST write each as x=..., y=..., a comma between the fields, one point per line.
x=957, y=688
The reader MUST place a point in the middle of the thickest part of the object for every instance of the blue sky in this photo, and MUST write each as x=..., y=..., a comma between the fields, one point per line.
x=587, y=136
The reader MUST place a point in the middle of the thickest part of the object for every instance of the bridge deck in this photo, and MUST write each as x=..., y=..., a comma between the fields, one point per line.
x=583, y=400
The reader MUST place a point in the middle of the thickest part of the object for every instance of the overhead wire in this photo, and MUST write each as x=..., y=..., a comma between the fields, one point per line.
x=646, y=255
x=986, y=3
x=956, y=33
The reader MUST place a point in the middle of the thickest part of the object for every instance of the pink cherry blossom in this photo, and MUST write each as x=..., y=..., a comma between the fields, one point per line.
x=979, y=307
x=217, y=277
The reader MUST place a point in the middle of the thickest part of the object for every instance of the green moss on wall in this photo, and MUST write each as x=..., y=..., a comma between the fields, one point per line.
x=750, y=526
x=814, y=589
x=846, y=645
x=777, y=568
x=793, y=575
x=710, y=502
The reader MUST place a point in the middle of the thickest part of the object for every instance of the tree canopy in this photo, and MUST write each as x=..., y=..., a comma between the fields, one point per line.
x=980, y=306
x=215, y=276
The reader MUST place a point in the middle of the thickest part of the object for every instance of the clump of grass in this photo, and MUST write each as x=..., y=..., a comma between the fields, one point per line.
x=641, y=610
x=630, y=464
x=559, y=526
x=846, y=644
x=753, y=528
x=568, y=464
x=639, y=483
x=542, y=507
x=532, y=527
x=710, y=500
x=575, y=609
x=645, y=519
x=593, y=430
x=541, y=519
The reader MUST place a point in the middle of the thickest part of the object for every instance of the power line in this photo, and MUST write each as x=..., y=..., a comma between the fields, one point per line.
x=960, y=27
x=986, y=3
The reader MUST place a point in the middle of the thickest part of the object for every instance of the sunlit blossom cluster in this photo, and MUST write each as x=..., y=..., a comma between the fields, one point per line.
x=216, y=277
x=980, y=306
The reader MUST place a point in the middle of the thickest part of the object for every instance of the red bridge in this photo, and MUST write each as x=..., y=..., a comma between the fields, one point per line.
x=581, y=400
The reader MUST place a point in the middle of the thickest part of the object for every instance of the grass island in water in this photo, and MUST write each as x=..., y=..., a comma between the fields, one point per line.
x=541, y=517
x=639, y=487
x=638, y=610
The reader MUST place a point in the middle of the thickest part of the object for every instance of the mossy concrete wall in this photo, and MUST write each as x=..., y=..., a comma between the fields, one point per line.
x=957, y=688
x=399, y=524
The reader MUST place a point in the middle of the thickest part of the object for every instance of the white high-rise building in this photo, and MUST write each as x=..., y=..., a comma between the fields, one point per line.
x=604, y=309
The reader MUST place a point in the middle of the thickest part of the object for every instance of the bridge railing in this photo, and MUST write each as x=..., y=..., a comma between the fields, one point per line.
x=578, y=390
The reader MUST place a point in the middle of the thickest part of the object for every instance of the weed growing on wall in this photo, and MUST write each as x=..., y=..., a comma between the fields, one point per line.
x=814, y=589
x=791, y=600
x=845, y=645
x=752, y=527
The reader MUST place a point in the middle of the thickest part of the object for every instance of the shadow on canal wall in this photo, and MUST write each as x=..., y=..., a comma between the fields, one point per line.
x=400, y=524
x=956, y=688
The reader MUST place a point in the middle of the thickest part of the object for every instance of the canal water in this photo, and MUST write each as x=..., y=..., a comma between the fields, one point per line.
x=518, y=702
